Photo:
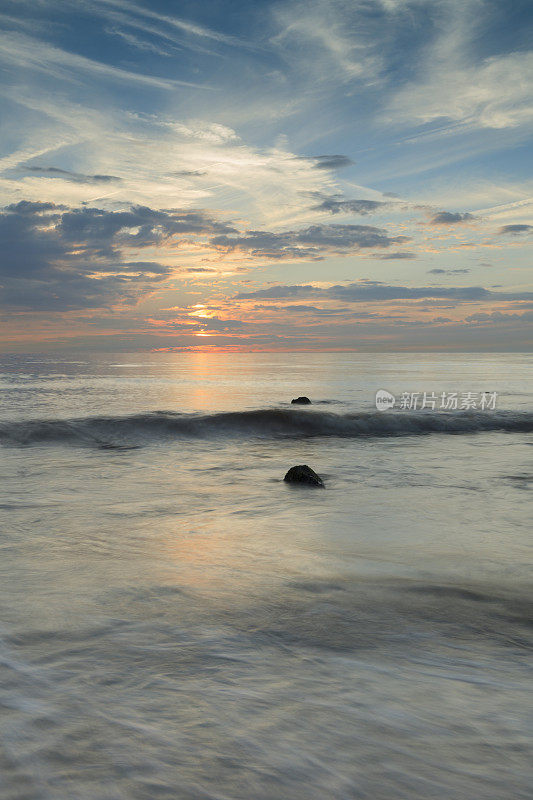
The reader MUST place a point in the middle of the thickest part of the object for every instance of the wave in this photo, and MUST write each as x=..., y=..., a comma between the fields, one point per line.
x=120, y=432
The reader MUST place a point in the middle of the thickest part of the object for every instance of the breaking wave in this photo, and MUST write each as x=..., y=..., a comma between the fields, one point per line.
x=131, y=431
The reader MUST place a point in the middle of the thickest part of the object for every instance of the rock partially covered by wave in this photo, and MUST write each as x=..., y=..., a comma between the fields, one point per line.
x=301, y=401
x=303, y=474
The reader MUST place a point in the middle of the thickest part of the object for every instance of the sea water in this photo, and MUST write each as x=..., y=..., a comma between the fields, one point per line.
x=178, y=622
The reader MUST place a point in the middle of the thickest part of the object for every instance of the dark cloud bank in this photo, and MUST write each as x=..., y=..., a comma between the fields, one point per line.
x=314, y=243
x=373, y=291
x=56, y=259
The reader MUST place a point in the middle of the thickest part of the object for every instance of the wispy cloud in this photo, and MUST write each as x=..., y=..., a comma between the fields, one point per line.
x=20, y=50
x=493, y=94
x=141, y=44
x=455, y=83
x=167, y=20
x=67, y=175
x=324, y=36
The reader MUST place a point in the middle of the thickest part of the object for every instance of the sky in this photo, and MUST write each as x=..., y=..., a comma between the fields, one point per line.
x=254, y=176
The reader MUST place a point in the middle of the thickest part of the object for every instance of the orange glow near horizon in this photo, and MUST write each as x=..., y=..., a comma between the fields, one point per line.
x=271, y=326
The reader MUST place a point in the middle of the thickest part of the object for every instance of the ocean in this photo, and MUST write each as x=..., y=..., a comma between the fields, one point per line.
x=178, y=622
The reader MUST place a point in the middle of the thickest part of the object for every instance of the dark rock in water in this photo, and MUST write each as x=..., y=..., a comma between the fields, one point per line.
x=303, y=474
x=302, y=401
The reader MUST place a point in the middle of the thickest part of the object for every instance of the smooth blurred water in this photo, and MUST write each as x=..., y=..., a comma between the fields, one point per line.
x=179, y=623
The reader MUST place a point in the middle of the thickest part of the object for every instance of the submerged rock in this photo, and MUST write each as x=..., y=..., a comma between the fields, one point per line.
x=303, y=474
x=302, y=401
